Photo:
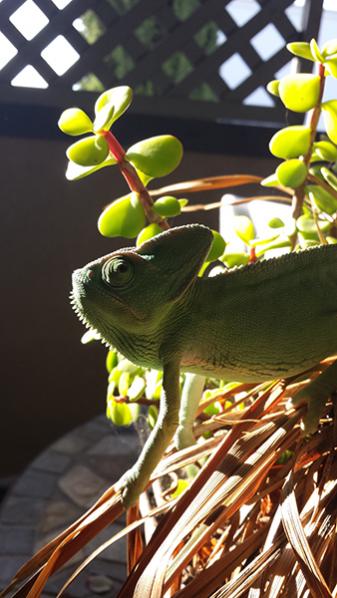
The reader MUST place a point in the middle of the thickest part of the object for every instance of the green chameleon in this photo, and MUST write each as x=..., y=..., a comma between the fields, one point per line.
x=274, y=318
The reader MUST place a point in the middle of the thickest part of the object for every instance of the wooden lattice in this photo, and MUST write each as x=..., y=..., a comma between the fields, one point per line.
x=182, y=51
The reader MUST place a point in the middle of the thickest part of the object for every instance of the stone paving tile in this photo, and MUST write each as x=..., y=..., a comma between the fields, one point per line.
x=52, y=462
x=72, y=444
x=94, y=430
x=82, y=485
x=35, y=484
x=113, y=445
x=115, y=552
x=58, y=513
x=15, y=540
x=108, y=468
x=21, y=510
x=62, y=482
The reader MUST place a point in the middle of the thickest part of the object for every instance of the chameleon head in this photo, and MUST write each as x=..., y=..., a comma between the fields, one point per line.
x=132, y=290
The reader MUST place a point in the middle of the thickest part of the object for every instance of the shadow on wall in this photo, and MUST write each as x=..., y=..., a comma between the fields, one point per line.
x=49, y=381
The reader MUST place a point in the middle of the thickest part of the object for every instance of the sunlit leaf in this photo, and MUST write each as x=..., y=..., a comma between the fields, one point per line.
x=122, y=218
x=111, y=360
x=167, y=206
x=75, y=121
x=75, y=172
x=156, y=156
x=292, y=173
x=88, y=151
x=273, y=87
x=301, y=49
x=315, y=51
x=323, y=200
x=300, y=92
x=122, y=414
x=308, y=228
x=330, y=119
x=151, y=230
x=329, y=177
x=217, y=248
x=114, y=101
x=326, y=150
x=290, y=142
x=244, y=228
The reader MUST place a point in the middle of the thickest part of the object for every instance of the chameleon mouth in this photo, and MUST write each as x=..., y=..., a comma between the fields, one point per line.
x=77, y=307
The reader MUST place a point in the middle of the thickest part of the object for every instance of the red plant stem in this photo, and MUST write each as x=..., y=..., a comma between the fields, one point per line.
x=299, y=195
x=135, y=184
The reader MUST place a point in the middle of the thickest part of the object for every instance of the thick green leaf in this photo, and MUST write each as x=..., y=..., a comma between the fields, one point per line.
x=167, y=206
x=151, y=230
x=307, y=227
x=315, y=51
x=104, y=118
x=331, y=66
x=89, y=151
x=330, y=47
x=290, y=142
x=111, y=360
x=323, y=200
x=115, y=101
x=270, y=181
x=122, y=218
x=75, y=121
x=273, y=87
x=301, y=49
x=156, y=156
x=217, y=248
x=124, y=383
x=300, y=92
x=329, y=177
x=292, y=173
x=326, y=150
x=330, y=119
x=152, y=416
x=183, y=202
x=75, y=172
x=282, y=241
x=122, y=414
x=137, y=388
x=276, y=223
x=235, y=259
x=244, y=228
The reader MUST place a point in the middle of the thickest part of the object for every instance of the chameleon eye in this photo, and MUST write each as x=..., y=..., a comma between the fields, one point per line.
x=118, y=271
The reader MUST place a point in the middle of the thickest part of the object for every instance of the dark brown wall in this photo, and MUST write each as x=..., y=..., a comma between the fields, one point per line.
x=49, y=381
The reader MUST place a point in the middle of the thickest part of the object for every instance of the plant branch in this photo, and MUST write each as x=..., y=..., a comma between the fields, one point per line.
x=135, y=184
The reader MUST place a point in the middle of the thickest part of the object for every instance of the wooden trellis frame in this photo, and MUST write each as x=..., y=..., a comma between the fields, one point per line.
x=178, y=37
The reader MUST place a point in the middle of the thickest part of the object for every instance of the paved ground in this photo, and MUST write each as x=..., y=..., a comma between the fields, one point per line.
x=55, y=489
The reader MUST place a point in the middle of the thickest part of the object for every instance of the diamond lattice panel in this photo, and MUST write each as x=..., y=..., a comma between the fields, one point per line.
x=221, y=53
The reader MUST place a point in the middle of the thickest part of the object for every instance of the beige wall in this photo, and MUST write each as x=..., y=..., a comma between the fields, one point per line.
x=49, y=381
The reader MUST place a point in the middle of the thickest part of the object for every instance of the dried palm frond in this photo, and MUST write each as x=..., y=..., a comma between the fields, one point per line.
x=258, y=519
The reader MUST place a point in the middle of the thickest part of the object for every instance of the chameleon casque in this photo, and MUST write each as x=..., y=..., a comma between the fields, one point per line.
x=274, y=318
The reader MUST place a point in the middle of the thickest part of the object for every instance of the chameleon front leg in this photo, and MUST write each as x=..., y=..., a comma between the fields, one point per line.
x=190, y=399
x=135, y=479
x=314, y=394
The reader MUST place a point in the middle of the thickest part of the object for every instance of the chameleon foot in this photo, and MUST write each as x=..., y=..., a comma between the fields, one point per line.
x=315, y=395
x=131, y=485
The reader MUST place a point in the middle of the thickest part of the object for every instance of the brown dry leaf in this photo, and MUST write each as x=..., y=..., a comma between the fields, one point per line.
x=208, y=184
x=227, y=534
